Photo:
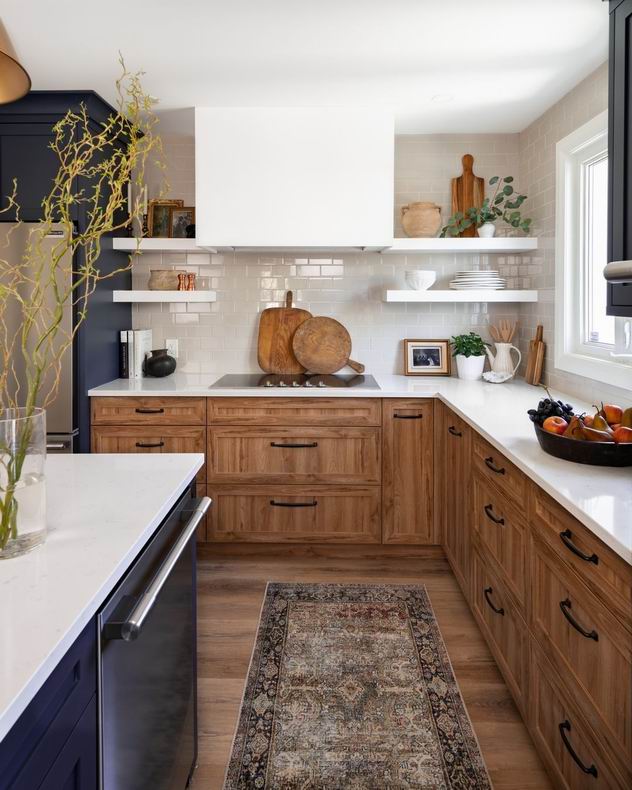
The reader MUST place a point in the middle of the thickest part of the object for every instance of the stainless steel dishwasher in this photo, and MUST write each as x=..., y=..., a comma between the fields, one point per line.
x=147, y=662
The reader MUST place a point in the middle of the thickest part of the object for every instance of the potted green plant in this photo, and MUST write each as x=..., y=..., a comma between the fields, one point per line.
x=469, y=351
x=503, y=204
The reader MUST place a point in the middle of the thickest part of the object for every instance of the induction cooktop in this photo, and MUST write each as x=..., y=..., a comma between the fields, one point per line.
x=304, y=380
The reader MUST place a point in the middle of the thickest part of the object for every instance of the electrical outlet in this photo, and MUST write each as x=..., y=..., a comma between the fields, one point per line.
x=172, y=347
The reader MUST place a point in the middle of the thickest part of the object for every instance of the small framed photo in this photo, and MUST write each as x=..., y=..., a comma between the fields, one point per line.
x=427, y=357
x=179, y=220
x=159, y=216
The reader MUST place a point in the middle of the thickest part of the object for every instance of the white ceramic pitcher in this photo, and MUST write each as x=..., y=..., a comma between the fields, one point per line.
x=502, y=362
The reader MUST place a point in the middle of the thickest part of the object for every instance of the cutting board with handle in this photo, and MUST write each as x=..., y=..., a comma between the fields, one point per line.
x=468, y=191
x=323, y=345
x=535, y=361
x=276, y=330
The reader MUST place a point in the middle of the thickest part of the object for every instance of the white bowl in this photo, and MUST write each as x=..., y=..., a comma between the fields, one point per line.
x=420, y=279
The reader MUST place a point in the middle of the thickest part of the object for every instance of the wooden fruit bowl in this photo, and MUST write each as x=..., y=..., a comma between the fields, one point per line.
x=581, y=452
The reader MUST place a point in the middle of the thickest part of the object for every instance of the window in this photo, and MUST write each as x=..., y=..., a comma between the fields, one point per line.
x=585, y=337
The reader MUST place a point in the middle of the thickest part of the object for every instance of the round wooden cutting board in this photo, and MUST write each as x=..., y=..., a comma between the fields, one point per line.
x=323, y=345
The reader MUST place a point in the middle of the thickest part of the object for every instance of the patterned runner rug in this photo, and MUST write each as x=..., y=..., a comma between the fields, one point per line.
x=350, y=687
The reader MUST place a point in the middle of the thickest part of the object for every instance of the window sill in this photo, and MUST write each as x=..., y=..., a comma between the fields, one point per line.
x=606, y=371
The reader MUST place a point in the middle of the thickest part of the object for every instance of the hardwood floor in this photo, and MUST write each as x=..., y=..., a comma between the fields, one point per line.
x=231, y=584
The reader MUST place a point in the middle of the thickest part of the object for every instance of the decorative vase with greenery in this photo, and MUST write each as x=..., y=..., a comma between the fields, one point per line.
x=503, y=204
x=469, y=351
x=106, y=159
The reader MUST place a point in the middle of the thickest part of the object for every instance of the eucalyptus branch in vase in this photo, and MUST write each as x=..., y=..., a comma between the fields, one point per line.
x=504, y=204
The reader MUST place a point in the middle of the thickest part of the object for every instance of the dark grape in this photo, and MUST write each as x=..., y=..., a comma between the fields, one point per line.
x=548, y=407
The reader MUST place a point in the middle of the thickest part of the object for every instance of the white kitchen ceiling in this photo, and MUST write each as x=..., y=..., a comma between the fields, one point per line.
x=441, y=65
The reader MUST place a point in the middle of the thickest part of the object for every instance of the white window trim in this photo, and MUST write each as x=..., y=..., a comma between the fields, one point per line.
x=567, y=356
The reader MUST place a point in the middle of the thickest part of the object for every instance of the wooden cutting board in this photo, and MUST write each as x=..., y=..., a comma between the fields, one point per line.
x=536, y=357
x=276, y=329
x=323, y=345
x=468, y=191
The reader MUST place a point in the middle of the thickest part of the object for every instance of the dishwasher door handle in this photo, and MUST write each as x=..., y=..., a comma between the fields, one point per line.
x=131, y=628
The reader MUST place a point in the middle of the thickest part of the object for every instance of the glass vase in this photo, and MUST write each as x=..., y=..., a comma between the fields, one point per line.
x=22, y=480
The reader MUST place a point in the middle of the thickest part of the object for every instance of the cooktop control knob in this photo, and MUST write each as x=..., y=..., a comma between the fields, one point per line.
x=268, y=384
x=321, y=384
x=282, y=384
x=295, y=384
x=308, y=384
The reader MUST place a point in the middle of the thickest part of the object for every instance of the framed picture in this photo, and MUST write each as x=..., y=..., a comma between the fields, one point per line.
x=179, y=219
x=158, y=217
x=427, y=357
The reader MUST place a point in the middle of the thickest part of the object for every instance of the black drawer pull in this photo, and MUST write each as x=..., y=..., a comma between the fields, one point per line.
x=274, y=503
x=567, y=540
x=291, y=446
x=150, y=444
x=150, y=411
x=408, y=416
x=488, y=591
x=565, y=726
x=565, y=606
x=489, y=512
x=454, y=431
x=499, y=470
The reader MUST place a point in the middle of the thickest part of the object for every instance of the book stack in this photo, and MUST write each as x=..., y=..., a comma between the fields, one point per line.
x=134, y=348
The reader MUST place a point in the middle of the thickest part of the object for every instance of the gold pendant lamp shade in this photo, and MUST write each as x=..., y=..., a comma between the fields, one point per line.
x=14, y=80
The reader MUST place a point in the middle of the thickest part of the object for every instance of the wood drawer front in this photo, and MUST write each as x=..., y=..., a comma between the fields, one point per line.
x=302, y=455
x=495, y=467
x=154, y=439
x=295, y=411
x=596, y=665
x=503, y=534
x=148, y=411
x=347, y=514
x=505, y=630
x=550, y=706
x=608, y=576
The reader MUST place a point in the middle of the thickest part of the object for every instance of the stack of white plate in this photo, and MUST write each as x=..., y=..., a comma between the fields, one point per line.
x=468, y=280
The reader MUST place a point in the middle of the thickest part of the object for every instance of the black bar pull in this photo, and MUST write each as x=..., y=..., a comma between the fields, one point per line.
x=488, y=591
x=274, y=503
x=565, y=605
x=408, y=416
x=565, y=726
x=454, y=431
x=150, y=411
x=291, y=446
x=150, y=444
x=499, y=470
x=567, y=540
x=489, y=512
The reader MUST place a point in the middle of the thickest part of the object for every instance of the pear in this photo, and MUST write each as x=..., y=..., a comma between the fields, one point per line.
x=626, y=420
x=600, y=423
x=593, y=435
x=575, y=429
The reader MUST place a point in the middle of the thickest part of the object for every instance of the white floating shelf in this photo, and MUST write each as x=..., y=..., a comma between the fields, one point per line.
x=515, y=245
x=474, y=295
x=130, y=244
x=164, y=296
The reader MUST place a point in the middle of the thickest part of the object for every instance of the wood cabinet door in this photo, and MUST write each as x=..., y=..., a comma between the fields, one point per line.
x=407, y=471
x=456, y=494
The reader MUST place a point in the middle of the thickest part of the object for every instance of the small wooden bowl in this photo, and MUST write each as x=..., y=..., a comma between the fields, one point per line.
x=581, y=452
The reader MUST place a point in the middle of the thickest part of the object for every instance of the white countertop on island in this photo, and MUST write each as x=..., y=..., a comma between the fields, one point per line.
x=101, y=510
x=600, y=497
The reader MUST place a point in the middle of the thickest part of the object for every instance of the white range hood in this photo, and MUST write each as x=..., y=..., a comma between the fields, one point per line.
x=294, y=178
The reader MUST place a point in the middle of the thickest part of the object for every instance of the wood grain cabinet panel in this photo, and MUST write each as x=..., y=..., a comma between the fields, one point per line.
x=493, y=466
x=148, y=411
x=150, y=439
x=407, y=471
x=571, y=751
x=302, y=455
x=503, y=535
x=589, y=647
x=332, y=514
x=287, y=412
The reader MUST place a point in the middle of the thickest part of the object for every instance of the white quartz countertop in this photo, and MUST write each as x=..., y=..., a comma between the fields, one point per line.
x=101, y=510
x=600, y=497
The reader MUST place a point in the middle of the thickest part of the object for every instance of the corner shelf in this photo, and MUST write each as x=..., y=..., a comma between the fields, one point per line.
x=509, y=245
x=474, y=295
x=131, y=244
x=164, y=296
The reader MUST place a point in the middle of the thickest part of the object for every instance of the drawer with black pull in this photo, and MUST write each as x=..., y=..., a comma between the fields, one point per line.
x=492, y=465
x=254, y=513
x=148, y=410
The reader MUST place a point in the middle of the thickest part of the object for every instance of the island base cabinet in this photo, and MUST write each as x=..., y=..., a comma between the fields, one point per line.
x=76, y=766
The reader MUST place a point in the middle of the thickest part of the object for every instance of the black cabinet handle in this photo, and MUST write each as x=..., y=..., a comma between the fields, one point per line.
x=274, y=503
x=150, y=411
x=150, y=444
x=499, y=470
x=408, y=416
x=488, y=591
x=565, y=605
x=565, y=726
x=567, y=540
x=291, y=446
x=454, y=431
x=489, y=512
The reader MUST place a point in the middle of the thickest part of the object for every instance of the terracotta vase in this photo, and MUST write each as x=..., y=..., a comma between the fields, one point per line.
x=421, y=220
